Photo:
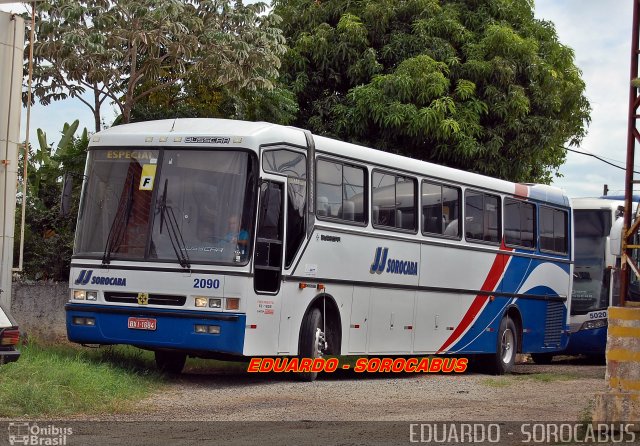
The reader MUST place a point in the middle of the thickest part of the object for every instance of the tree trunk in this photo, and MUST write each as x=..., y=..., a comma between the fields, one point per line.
x=96, y=108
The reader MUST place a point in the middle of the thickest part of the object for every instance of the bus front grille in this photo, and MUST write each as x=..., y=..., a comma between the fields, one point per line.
x=154, y=299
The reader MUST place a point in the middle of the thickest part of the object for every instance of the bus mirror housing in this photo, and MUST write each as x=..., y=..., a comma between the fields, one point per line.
x=615, y=237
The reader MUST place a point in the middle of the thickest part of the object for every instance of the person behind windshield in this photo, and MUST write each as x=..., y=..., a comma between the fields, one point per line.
x=237, y=236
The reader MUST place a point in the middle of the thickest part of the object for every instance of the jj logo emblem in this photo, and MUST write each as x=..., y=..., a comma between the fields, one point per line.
x=379, y=260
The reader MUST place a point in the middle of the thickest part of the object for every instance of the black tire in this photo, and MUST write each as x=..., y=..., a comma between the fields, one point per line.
x=542, y=358
x=506, y=349
x=170, y=362
x=309, y=347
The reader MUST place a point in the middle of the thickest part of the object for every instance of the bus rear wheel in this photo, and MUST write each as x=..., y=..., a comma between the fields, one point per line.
x=506, y=349
x=170, y=362
x=312, y=341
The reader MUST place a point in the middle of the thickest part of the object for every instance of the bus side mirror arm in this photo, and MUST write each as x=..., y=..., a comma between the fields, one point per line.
x=615, y=238
x=65, y=197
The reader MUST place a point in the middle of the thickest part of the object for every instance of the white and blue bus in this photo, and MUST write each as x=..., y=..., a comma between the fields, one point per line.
x=229, y=239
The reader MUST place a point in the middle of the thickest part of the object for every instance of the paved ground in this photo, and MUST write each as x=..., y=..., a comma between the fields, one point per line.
x=562, y=391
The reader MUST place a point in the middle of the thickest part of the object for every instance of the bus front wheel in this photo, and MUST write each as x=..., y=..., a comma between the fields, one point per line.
x=312, y=341
x=170, y=362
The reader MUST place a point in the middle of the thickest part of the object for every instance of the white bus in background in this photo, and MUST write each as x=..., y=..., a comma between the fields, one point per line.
x=229, y=239
x=595, y=286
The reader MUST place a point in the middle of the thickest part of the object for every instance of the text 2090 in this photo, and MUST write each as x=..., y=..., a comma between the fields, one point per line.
x=206, y=283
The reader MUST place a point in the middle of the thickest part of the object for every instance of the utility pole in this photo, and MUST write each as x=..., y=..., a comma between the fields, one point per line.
x=629, y=228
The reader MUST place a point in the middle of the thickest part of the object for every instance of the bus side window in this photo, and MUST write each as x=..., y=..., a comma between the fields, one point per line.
x=482, y=219
x=394, y=201
x=340, y=192
x=440, y=209
x=519, y=223
x=553, y=230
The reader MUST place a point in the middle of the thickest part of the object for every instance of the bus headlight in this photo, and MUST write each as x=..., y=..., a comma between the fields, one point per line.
x=79, y=294
x=92, y=295
x=215, y=303
x=201, y=301
x=592, y=325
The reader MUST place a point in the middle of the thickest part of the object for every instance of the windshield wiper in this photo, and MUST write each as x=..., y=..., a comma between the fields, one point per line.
x=120, y=222
x=175, y=235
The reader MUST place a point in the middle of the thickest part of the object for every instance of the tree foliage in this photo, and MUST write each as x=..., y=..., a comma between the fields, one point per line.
x=474, y=84
x=48, y=233
x=125, y=50
x=199, y=99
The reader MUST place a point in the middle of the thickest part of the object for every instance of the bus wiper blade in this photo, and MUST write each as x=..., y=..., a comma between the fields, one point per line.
x=120, y=222
x=175, y=235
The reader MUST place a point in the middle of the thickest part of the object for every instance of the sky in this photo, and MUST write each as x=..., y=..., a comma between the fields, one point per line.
x=599, y=32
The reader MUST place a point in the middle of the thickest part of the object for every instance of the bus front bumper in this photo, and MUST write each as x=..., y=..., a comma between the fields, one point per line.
x=174, y=329
x=587, y=342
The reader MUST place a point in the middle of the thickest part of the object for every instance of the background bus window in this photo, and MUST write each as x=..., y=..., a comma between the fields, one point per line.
x=482, y=217
x=440, y=209
x=519, y=219
x=340, y=192
x=591, y=277
x=553, y=230
x=394, y=201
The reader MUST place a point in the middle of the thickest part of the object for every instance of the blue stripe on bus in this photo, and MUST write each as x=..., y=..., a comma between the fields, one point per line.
x=482, y=336
x=171, y=331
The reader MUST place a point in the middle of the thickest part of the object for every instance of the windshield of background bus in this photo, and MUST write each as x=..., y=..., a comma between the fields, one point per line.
x=206, y=192
x=591, y=277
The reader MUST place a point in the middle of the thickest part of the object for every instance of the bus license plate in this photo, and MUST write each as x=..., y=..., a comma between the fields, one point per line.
x=137, y=323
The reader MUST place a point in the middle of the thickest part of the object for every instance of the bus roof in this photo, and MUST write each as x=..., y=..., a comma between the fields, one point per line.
x=596, y=203
x=145, y=134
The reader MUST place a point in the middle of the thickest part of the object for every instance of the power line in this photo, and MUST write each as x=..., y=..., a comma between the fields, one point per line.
x=611, y=159
x=598, y=158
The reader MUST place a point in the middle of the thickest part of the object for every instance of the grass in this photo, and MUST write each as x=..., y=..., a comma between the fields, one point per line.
x=64, y=380
x=506, y=381
x=497, y=382
x=551, y=377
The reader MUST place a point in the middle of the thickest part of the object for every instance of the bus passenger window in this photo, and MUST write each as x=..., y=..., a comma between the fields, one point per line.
x=553, y=230
x=519, y=223
x=440, y=210
x=340, y=191
x=394, y=201
x=482, y=217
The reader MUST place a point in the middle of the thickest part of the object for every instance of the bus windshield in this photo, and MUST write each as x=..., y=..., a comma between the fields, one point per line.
x=591, y=278
x=167, y=205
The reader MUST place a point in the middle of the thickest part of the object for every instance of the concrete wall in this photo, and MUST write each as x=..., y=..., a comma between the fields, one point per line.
x=621, y=403
x=38, y=308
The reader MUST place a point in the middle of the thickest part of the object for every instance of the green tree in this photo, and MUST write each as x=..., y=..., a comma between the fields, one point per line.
x=49, y=233
x=199, y=99
x=125, y=50
x=475, y=84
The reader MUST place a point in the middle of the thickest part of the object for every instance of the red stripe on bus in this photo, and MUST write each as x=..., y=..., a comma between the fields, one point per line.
x=489, y=284
x=522, y=190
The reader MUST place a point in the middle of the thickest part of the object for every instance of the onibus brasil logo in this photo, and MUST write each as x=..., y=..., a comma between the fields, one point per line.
x=25, y=433
x=393, y=266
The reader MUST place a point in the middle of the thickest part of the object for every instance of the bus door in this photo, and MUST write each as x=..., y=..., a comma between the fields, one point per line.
x=270, y=239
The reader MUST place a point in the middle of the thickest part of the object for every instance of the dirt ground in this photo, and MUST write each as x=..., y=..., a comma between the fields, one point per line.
x=562, y=391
